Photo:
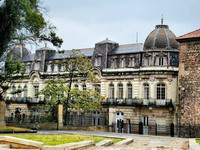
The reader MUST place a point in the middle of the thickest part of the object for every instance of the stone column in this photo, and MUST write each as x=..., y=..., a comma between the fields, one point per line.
x=60, y=115
x=2, y=112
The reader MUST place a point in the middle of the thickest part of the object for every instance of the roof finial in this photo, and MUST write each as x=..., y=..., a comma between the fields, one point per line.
x=162, y=20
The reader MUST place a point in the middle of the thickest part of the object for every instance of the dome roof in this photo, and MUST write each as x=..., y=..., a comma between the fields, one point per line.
x=161, y=38
x=19, y=51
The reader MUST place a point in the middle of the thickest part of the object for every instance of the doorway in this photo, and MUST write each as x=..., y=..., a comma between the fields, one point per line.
x=119, y=122
x=145, y=125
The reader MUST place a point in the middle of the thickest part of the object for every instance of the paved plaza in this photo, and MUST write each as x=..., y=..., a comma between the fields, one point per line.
x=143, y=142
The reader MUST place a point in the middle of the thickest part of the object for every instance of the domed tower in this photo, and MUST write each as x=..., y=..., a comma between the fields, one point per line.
x=160, y=47
x=161, y=38
x=19, y=52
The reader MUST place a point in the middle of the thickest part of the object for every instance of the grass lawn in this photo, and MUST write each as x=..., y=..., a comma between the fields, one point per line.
x=198, y=141
x=8, y=128
x=56, y=139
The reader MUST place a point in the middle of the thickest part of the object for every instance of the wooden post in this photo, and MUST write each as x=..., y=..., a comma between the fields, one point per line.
x=60, y=115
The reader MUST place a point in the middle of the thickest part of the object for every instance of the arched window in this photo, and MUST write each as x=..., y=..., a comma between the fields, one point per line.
x=97, y=88
x=111, y=91
x=76, y=86
x=161, y=91
x=120, y=91
x=25, y=91
x=146, y=91
x=20, y=93
x=14, y=89
x=84, y=87
x=130, y=91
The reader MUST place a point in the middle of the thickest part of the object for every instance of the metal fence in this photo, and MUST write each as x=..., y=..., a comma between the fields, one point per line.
x=74, y=119
x=187, y=131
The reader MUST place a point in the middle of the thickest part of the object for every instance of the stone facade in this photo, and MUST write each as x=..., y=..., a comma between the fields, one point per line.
x=189, y=79
x=139, y=81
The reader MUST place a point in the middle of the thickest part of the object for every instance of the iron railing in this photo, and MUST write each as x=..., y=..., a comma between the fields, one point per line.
x=138, y=102
x=24, y=100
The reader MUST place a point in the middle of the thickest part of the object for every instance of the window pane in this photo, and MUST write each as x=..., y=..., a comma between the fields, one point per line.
x=120, y=89
x=146, y=91
x=111, y=89
x=129, y=91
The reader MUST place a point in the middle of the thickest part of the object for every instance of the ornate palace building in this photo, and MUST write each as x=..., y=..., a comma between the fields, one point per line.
x=139, y=81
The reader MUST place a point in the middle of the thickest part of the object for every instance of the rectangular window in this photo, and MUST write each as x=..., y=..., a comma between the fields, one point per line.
x=36, y=91
x=130, y=91
x=111, y=95
x=84, y=87
x=146, y=91
x=161, y=61
x=161, y=91
x=120, y=89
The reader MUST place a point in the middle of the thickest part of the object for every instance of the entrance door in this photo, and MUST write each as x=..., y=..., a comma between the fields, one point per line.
x=119, y=122
x=145, y=125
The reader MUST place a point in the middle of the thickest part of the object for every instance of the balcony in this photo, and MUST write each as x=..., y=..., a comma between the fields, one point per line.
x=24, y=100
x=138, y=102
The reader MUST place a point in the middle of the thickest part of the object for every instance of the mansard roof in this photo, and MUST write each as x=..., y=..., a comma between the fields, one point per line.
x=128, y=48
x=28, y=58
x=86, y=51
x=121, y=49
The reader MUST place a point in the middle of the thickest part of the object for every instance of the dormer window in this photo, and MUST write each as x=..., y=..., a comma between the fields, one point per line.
x=55, y=68
x=161, y=61
x=28, y=68
x=37, y=65
x=49, y=67
x=131, y=62
x=123, y=63
x=97, y=60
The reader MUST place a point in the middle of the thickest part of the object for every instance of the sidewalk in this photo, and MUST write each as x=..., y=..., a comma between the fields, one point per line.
x=113, y=135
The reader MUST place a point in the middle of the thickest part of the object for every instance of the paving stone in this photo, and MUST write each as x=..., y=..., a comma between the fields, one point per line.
x=124, y=142
x=104, y=143
x=4, y=146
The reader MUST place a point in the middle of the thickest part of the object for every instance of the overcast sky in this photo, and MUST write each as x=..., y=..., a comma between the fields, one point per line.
x=82, y=23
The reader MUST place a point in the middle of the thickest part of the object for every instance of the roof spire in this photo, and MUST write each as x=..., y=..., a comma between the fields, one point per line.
x=162, y=20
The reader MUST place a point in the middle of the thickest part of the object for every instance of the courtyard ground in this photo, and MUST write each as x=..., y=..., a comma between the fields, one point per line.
x=143, y=142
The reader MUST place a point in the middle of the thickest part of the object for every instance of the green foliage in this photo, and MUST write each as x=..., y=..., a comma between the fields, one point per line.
x=13, y=68
x=77, y=65
x=54, y=91
x=22, y=21
x=86, y=100
x=16, y=91
x=78, y=68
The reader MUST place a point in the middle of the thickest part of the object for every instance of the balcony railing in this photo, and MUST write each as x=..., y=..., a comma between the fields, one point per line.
x=138, y=102
x=24, y=100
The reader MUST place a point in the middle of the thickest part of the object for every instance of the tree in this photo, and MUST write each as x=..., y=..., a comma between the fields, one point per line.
x=78, y=68
x=22, y=21
x=56, y=90
x=13, y=69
